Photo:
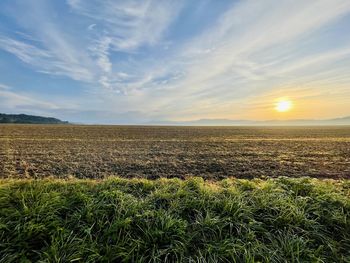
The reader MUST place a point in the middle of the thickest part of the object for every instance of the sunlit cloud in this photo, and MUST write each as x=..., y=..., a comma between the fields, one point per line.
x=153, y=58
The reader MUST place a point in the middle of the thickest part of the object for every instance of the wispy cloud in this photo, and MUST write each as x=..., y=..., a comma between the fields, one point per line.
x=44, y=60
x=127, y=26
x=139, y=56
x=252, y=27
x=242, y=52
x=130, y=23
x=11, y=100
x=25, y=52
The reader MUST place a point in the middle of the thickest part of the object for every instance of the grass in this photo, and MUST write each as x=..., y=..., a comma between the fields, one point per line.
x=169, y=220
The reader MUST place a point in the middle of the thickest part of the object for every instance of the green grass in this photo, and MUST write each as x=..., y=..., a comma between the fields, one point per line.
x=132, y=220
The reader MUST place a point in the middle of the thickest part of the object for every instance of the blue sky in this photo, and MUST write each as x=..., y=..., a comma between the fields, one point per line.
x=141, y=61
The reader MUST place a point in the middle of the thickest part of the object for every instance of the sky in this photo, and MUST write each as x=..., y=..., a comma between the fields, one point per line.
x=129, y=62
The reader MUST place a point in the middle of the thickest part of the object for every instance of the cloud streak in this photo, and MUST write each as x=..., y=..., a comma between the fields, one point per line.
x=136, y=55
x=239, y=51
x=130, y=23
x=44, y=60
x=11, y=100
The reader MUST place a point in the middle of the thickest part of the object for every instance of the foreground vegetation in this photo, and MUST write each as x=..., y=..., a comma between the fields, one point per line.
x=169, y=220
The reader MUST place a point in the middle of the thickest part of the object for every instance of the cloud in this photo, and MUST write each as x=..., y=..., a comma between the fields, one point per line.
x=4, y=87
x=129, y=53
x=53, y=51
x=100, y=51
x=91, y=27
x=125, y=27
x=25, y=52
x=130, y=23
x=44, y=60
x=252, y=27
x=10, y=100
x=257, y=35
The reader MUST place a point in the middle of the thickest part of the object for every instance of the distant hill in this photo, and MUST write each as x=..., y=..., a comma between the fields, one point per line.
x=30, y=119
x=228, y=122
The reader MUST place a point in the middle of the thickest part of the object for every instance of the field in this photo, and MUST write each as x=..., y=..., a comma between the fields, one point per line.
x=32, y=151
x=72, y=193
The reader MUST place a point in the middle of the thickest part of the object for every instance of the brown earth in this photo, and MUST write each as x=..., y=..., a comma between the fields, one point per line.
x=152, y=152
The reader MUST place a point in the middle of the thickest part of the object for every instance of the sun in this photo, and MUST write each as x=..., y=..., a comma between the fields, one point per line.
x=284, y=105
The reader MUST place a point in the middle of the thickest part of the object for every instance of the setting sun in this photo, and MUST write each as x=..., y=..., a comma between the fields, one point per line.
x=284, y=105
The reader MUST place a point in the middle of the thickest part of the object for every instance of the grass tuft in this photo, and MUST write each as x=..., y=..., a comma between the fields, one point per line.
x=169, y=220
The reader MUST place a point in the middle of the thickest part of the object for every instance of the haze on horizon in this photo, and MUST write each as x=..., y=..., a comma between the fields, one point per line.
x=141, y=61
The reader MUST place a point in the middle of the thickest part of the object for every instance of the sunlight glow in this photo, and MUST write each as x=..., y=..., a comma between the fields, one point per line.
x=283, y=105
